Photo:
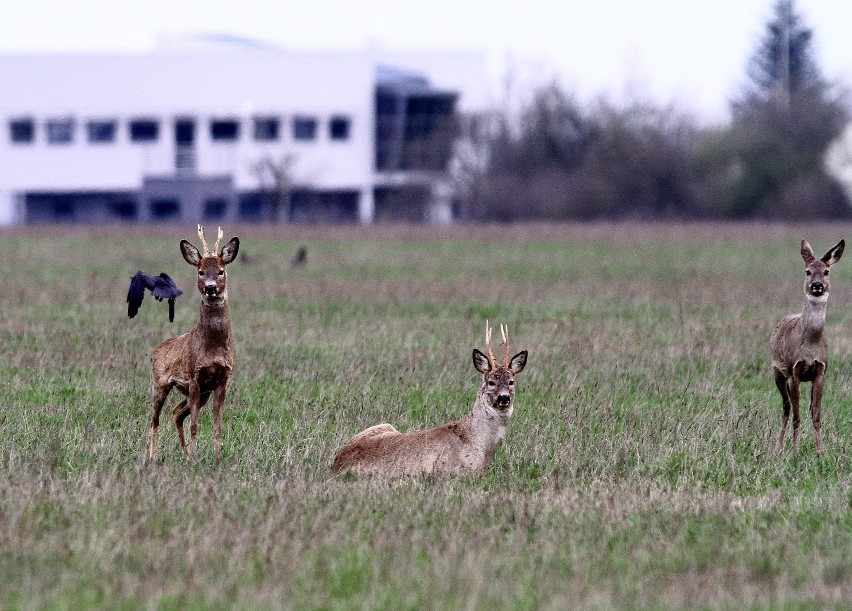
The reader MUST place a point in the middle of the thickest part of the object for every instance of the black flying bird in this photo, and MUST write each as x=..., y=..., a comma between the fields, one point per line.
x=162, y=287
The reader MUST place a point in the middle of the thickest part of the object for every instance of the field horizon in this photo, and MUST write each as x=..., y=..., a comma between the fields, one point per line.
x=637, y=470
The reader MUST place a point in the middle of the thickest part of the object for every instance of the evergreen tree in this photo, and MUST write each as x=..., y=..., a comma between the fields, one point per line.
x=783, y=66
x=783, y=121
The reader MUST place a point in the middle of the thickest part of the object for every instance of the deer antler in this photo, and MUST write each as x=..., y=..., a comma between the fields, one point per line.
x=491, y=358
x=203, y=241
x=219, y=239
x=505, y=332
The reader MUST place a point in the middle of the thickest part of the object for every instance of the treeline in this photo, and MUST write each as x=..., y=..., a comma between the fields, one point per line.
x=560, y=159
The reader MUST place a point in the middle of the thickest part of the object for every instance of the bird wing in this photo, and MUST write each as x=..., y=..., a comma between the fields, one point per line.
x=162, y=287
x=136, y=293
x=165, y=288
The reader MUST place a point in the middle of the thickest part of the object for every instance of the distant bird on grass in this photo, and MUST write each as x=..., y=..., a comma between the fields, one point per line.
x=161, y=287
x=301, y=257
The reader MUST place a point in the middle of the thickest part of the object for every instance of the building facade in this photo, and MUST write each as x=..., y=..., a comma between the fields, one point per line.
x=234, y=132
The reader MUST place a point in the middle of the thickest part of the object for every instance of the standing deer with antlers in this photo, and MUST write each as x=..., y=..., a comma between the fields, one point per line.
x=466, y=446
x=799, y=346
x=200, y=362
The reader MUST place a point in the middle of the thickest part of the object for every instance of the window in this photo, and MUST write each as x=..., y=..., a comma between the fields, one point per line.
x=164, y=209
x=304, y=128
x=224, y=129
x=124, y=210
x=98, y=132
x=21, y=131
x=60, y=131
x=251, y=208
x=144, y=130
x=63, y=209
x=214, y=209
x=185, y=132
x=265, y=128
x=338, y=128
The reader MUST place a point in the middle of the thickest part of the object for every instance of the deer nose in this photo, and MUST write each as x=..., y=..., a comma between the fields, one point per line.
x=817, y=287
x=503, y=399
x=210, y=290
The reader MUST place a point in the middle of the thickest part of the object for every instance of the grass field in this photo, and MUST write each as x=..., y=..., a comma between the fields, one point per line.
x=637, y=471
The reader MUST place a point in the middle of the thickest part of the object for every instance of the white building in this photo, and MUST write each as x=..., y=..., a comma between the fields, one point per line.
x=232, y=131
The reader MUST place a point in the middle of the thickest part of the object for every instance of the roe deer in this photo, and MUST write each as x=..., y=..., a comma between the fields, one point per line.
x=466, y=446
x=799, y=347
x=198, y=363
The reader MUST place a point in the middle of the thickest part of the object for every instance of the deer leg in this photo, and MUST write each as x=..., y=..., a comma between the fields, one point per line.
x=179, y=414
x=193, y=400
x=159, y=397
x=794, y=384
x=781, y=383
x=218, y=404
x=816, y=405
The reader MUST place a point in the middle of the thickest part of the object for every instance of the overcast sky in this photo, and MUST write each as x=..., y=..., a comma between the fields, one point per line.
x=692, y=52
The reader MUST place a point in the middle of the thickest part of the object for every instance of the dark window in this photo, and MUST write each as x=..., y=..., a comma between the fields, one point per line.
x=100, y=131
x=144, y=130
x=265, y=128
x=304, y=128
x=214, y=209
x=60, y=131
x=163, y=209
x=253, y=207
x=224, y=129
x=124, y=210
x=338, y=128
x=185, y=131
x=63, y=210
x=21, y=131
x=324, y=206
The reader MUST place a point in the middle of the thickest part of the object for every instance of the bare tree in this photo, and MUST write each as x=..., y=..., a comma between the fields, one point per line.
x=276, y=178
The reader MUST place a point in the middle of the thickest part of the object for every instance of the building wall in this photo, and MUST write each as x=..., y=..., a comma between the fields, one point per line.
x=40, y=179
x=164, y=87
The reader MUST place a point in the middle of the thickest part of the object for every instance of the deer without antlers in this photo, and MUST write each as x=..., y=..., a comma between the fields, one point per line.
x=799, y=346
x=200, y=362
x=466, y=446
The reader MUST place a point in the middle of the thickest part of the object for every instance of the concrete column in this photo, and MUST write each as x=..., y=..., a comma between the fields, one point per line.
x=366, y=205
x=7, y=208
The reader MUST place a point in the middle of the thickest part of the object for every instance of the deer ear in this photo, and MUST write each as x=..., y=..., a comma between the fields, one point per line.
x=807, y=252
x=190, y=253
x=230, y=250
x=833, y=255
x=481, y=362
x=518, y=362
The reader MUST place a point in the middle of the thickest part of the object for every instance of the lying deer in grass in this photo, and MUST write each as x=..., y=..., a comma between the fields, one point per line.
x=466, y=446
x=799, y=347
x=200, y=362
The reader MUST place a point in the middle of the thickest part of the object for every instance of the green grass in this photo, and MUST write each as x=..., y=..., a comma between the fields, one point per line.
x=637, y=471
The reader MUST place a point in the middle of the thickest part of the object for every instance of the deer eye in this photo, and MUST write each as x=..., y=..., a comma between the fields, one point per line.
x=221, y=272
x=807, y=272
x=492, y=383
x=511, y=382
x=825, y=273
x=200, y=273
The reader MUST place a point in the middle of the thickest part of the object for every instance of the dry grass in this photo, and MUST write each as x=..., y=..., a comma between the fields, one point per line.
x=636, y=471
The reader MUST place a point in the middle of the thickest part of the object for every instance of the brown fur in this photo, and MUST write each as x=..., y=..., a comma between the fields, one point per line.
x=198, y=363
x=800, y=349
x=466, y=446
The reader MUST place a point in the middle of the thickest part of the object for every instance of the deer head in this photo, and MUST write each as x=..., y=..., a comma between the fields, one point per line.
x=498, y=384
x=816, y=270
x=212, y=275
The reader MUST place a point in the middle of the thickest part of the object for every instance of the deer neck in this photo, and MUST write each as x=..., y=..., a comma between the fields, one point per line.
x=214, y=322
x=813, y=317
x=487, y=426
